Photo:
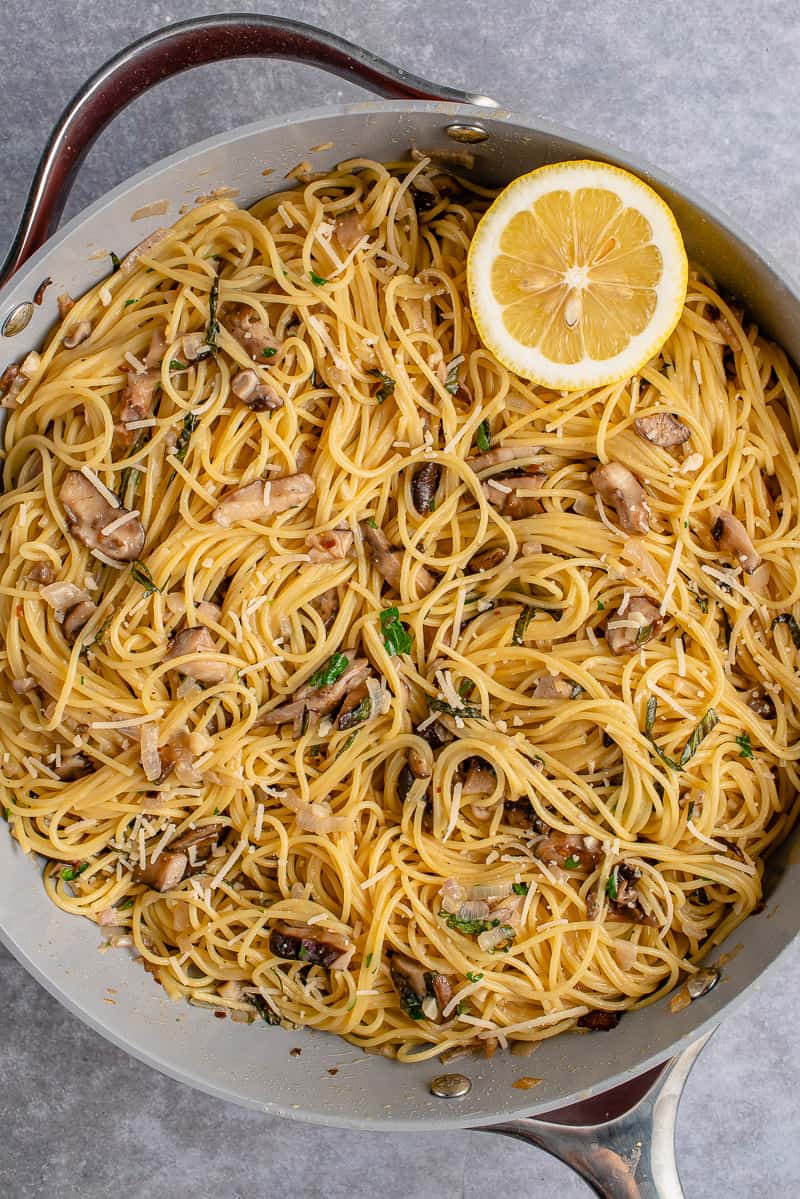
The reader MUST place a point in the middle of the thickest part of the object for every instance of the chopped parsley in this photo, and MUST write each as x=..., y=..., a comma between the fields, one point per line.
x=212, y=328
x=190, y=422
x=611, y=885
x=794, y=628
x=644, y=634
x=264, y=1010
x=114, y=260
x=520, y=888
x=520, y=625
x=601, y=606
x=451, y=383
x=461, y=1007
x=142, y=576
x=745, y=746
x=387, y=386
x=128, y=302
x=699, y=734
x=333, y=669
x=474, y=977
x=72, y=872
x=470, y=928
x=347, y=744
x=468, y=712
x=396, y=637
x=269, y=351
x=123, y=907
x=483, y=438
x=572, y=863
x=174, y=365
x=317, y=279
x=701, y=600
x=372, y=522
x=368, y=962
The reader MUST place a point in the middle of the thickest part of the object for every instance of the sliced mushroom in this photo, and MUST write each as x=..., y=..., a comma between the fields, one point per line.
x=310, y=943
x=632, y=628
x=165, y=873
x=205, y=836
x=515, y=495
x=415, y=986
x=436, y=734
x=627, y=906
x=258, y=500
x=327, y=604
x=330, y=546
x=599, y=1021
x=550, y=686
x=42, y=572
x=618, y=486
x=252, y=333
x=501, y=453
x=556, y=849
x=389, y=561
x=419, y=765
x=480, y=778
x=77, y=617
x=423, y=486
x=320, y=700
x=198, y=641
x=258, y=396
x=138, y=396
x=88, y=513
x=732, y=537
x=762, y=704
x=356, y=708
x=349, y=230
x=486, y=559
x=79, y=334
x=662, y=429
x=156, y=350
x=519, y=813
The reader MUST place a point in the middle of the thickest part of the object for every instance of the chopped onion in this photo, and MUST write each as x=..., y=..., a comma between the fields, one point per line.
x=151, y=761
x=430, y=1008
x=474, y=909
x=21, y=686
x=625, y=953
x=491, y=890
x=453, y=895
x=492, y=938
x=316, y=817
x=344, y=959
x=62, y=596
x=232, y=990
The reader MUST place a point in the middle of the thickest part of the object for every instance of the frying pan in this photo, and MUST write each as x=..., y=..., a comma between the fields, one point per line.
x=607, y=1102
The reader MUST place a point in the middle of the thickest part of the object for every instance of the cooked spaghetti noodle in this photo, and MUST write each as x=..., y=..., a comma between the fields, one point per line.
x=471, y=822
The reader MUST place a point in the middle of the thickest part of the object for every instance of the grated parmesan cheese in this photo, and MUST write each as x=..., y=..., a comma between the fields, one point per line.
x=680, y=655
x=455, y=809
x=135, y=362
x=98, y=484
x=695, y=831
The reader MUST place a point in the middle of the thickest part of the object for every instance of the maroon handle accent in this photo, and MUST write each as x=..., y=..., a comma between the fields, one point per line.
x=175, y=49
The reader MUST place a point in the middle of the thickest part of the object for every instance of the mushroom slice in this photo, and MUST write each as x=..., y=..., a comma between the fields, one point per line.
x=558, y=849
x=762, y=704
x=486, y=559
x=205, y=836
x=327, y=604
x=165, y=873
x=73, y=767
x=552, y=686
x=627, y=905
x=415, y=986
x=389, y=561
x=662, y=429
x=311, y=944
x=330, y=546
x=320, y=700
x=357, y=708
x=258, y=396
x=253, y=334
x=520, y=813
x=81, y=332
x=502, y=453
x=599, y=1021
x=618, y=486
x=42, y=572
x=640, y=622
x=515, y=495
x=732, y=537
x=480, y=778
x=88, y=513
x=423, y=486
x=156, y=350
x=349, y=229
x=258, y=500
x=197, y=641
x=137, y=398
x=77, y=617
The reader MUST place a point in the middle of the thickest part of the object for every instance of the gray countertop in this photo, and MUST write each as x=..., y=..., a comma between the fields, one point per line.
x=710, y=93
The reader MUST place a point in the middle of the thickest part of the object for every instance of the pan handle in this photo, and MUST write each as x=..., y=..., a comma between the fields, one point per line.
x=178, y=48
x=631, y=1155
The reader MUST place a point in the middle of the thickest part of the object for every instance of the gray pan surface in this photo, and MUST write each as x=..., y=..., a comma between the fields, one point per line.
x=251, y=1065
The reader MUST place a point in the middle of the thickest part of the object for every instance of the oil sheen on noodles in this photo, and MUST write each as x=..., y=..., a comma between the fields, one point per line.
x=612, y=809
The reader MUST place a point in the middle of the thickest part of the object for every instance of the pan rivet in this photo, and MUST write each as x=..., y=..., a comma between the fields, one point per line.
x=451, y=1086
x=18, y=319
x=702, y=982
x=471, y=134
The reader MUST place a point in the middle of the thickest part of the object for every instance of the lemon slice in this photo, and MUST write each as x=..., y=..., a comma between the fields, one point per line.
x=577, y=275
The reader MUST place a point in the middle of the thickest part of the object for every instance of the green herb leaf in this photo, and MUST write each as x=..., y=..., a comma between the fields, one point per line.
x=304, y=721
x=174, y=365
x=466, y=713
x=190, y=423
x=644, y=634
x=128, y=472
x=368, y=961
x=396, y=637
x=372, y=522
x=700, y=600
x=347, y=743
x=212, y=329
x=465, y=687
x=572, y=863
x=470, y=928
x=114, y=260
x=483, y=438
x=333, y=669
x=387, y=386
x=523, y=620
x=745, y=745
x=649, y=723
x=71, y=872
x=128, y=302
x=794, y=628
x=269, y=352
x=451, y=382
x=123, y=907
x=317, y=279
x=520, y=888
x=611, y=885
x=142, y=576
x=709, y=721
x=264, y=1010
x=99, y=636
x=601, y=606
x=474, y=977
x=461, y=1007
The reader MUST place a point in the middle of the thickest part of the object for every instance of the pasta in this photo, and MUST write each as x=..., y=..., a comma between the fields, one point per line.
x=355, y=682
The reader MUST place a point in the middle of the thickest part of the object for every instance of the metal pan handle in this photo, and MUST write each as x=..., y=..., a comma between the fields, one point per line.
x=630, y=1155
x=178, y=48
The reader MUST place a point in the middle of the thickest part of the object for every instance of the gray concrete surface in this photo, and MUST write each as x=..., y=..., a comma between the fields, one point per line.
x=710, y=93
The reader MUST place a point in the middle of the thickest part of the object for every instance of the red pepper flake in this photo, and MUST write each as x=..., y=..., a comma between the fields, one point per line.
x=220, y=1015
